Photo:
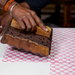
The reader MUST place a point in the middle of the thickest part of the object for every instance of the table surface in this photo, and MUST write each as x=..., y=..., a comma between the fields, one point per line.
x=61, y=60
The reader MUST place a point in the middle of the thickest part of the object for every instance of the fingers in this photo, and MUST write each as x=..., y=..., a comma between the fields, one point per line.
x=2, y=29
x=4, y=25
x=5, y=22
x=28, y=25
x=28, y=18
x=39, y=22
x=21, y=24
x=27, y=22
x=32, y=22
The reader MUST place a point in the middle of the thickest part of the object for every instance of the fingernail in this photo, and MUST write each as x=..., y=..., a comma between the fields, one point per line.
x=46, y=29
x=1, y=27
x=23, y=27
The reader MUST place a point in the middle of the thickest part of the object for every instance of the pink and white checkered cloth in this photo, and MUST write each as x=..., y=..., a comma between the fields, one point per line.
x=62, y=55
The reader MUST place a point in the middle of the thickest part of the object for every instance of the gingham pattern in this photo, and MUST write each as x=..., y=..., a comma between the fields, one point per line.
x=62, y=69
x=20, y=55
x=62, y=56
x=63, y=46
x=63, y=52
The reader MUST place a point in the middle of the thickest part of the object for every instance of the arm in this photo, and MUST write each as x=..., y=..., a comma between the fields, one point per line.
x=38, y=4
x=4, y=22
x=35, y=4
x=26, y=17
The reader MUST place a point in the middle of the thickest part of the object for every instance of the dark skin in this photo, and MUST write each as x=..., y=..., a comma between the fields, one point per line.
x=26, y=17
x=5, y=21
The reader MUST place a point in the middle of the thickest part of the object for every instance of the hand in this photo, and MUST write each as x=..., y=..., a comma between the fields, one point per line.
x=25, y=5
x=5, y=21
x=26, y=18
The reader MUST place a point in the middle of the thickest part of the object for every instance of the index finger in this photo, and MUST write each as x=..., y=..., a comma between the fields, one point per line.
x=39, y=21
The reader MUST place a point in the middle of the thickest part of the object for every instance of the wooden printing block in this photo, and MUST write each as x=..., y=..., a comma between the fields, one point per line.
x=30, y=42
x=37, y=43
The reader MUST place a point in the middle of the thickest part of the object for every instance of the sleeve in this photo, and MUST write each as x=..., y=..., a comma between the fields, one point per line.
x=38, y=4
x=19, y=1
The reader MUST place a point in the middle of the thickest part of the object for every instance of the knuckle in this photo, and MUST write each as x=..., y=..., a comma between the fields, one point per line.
x=33, y=29
x=40, y=22
x=23, y=17
x=33, y=13
x=29, y=27
x=28, y=14
x=18, y=19
x=34, y=26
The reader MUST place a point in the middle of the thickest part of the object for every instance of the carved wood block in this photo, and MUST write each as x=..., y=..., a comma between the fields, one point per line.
x=30, y=42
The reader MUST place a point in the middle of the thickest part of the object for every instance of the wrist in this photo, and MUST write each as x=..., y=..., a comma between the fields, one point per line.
x=7, y=4
x=9, y=7
x=13, y=8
